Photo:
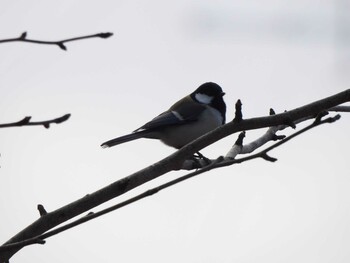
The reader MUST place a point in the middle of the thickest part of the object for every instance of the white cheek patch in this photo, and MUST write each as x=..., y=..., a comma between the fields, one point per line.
x=202, y=98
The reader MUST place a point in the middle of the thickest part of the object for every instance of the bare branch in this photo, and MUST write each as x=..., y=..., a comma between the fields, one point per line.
x=172, y=162
x=41, y=238
x=26, y=122
x=219, y=162
x=271, y=135
x=59, y=43
x=263, y=153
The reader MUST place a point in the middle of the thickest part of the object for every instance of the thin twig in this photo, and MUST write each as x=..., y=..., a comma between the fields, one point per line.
x=340, y=108
x=59, y=43
x=26, y=122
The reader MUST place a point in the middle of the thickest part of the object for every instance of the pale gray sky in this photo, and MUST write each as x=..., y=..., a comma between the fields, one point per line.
x=279, y=54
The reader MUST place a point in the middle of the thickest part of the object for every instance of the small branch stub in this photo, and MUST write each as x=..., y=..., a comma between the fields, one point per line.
x=105, y=35
x=62, y=46
x=42, y=210
x=290, y=123
x=237, y=147
x=238, y=112
x=239, y=141
x=320, y=116
x=23, y=36
x=266, y=157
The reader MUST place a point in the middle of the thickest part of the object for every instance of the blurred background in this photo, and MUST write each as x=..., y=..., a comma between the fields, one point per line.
x=279, y=54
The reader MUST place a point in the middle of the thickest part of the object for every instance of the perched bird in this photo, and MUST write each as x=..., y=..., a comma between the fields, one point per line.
x=189, y=118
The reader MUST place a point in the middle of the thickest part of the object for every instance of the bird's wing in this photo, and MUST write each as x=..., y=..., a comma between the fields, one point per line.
x=185, y=112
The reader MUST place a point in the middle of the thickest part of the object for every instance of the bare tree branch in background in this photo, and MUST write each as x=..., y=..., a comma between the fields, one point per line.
x=59, y=43
x=175, y=161
x=26, y=122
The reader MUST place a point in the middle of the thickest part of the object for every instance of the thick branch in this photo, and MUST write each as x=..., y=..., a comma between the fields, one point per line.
x=219, y=162
x=26, y=122
x=172, y=162
x=59, y=43
x=90, y=216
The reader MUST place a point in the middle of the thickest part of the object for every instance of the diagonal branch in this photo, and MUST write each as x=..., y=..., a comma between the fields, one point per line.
x=172, y=162
x=26, y=122
x=59, y=43
x=219, y=162
x=41, y=238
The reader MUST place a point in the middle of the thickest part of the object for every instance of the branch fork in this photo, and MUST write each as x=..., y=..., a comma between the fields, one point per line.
x=42, y=227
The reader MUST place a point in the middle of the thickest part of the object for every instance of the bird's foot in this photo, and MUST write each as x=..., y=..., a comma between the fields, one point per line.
x=200, y=159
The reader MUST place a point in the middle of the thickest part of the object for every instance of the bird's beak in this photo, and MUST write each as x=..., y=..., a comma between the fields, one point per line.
x=222, y=94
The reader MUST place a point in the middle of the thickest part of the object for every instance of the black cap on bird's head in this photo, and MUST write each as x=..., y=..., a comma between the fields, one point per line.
x=211, y=93
x=210, y=89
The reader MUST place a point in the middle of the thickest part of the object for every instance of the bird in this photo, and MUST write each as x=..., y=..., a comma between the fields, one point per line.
x=191, y=117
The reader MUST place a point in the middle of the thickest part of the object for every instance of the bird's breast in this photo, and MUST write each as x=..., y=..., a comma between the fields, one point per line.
x=179, y=135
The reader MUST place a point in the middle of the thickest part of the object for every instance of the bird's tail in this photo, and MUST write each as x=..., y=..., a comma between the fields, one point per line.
x=125, y=138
